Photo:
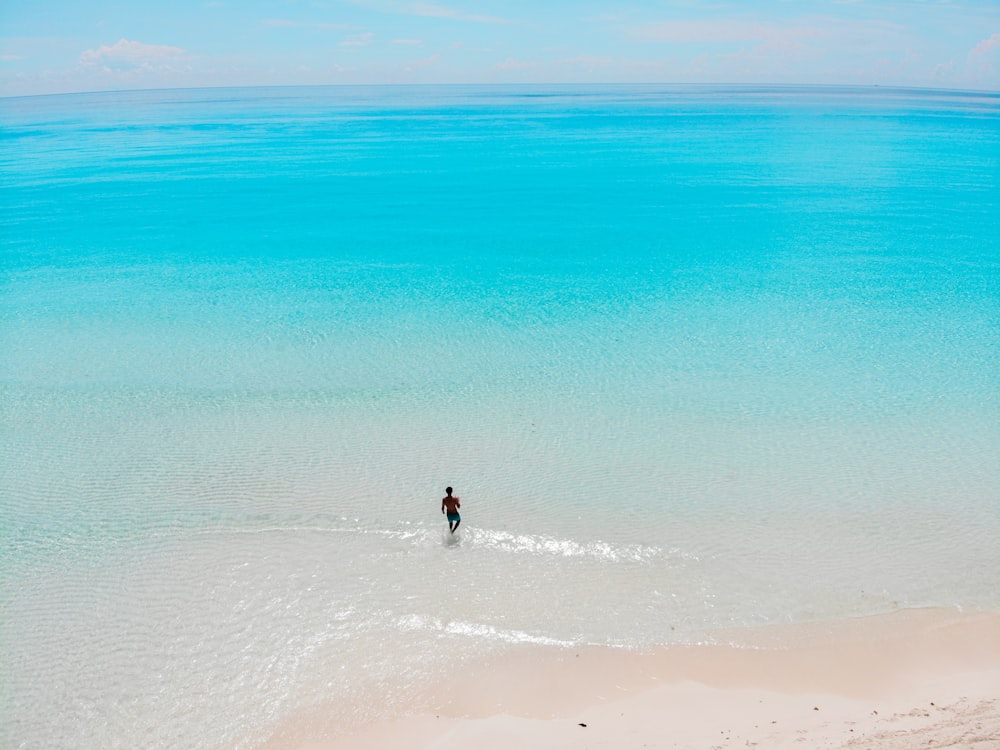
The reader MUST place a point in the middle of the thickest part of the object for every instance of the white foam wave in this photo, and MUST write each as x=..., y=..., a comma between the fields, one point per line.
x=477, y=630
x=550, y=545
x=501, y=541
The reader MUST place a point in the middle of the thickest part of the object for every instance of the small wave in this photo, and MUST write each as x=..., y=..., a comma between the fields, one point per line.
x=550, y=545
x=320, y=528
x=477, y=630
x=501, y=541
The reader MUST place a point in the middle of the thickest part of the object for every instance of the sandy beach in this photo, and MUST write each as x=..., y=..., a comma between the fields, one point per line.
x=913, y=679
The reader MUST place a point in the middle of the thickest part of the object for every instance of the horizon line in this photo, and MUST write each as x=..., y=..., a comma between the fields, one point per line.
x=536, y=84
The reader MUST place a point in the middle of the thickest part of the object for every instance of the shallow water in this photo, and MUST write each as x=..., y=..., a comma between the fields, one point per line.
x=694, y=358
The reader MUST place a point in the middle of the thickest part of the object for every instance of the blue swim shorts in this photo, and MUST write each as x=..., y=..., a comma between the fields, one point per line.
x=452, y=517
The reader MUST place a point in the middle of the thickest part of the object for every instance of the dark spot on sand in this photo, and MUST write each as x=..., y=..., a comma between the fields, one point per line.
x=581, y=725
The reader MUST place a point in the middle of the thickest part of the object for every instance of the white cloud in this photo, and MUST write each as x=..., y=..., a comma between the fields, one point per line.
x=943, y=70
x=991, y=42
x=9, y=58
x=820, y=32
x=358, y=40
x=433, y=10
x=125, y=55
x=512, y=64
x=424, y=63
x=604, y=18
x=588, y=61
x=984, y=60
x=810, y=49
x=717, y=31
x=286, y=23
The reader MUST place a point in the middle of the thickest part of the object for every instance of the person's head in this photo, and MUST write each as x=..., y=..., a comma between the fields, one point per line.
x=448, y=490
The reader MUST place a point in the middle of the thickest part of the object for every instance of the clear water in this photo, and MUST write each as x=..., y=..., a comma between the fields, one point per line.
x=692, y=357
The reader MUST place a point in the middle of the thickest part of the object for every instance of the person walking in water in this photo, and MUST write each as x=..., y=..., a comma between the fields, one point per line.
x=451, y=504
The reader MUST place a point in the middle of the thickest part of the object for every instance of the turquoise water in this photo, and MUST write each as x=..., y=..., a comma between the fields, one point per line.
x=694, y=358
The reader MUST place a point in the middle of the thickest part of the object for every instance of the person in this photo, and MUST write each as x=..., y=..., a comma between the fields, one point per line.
x=451, y=504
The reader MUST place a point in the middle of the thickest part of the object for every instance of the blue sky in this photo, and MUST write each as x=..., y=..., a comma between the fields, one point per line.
x=50, y=46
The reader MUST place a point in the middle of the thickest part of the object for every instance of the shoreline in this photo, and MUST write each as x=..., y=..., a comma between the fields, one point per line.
x=913, y=678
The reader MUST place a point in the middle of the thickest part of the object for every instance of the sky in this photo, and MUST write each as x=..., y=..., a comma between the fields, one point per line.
x=57, y=46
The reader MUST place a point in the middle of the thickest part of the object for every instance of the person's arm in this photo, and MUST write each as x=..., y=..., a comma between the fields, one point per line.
x=442, y=506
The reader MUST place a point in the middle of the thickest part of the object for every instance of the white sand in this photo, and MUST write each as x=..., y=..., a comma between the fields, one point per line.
x=916, y=679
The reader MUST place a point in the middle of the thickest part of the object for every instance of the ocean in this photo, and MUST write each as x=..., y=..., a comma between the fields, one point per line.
x=694, y=358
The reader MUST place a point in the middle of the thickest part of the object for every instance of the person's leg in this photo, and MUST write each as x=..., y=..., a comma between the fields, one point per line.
x=456, y=525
